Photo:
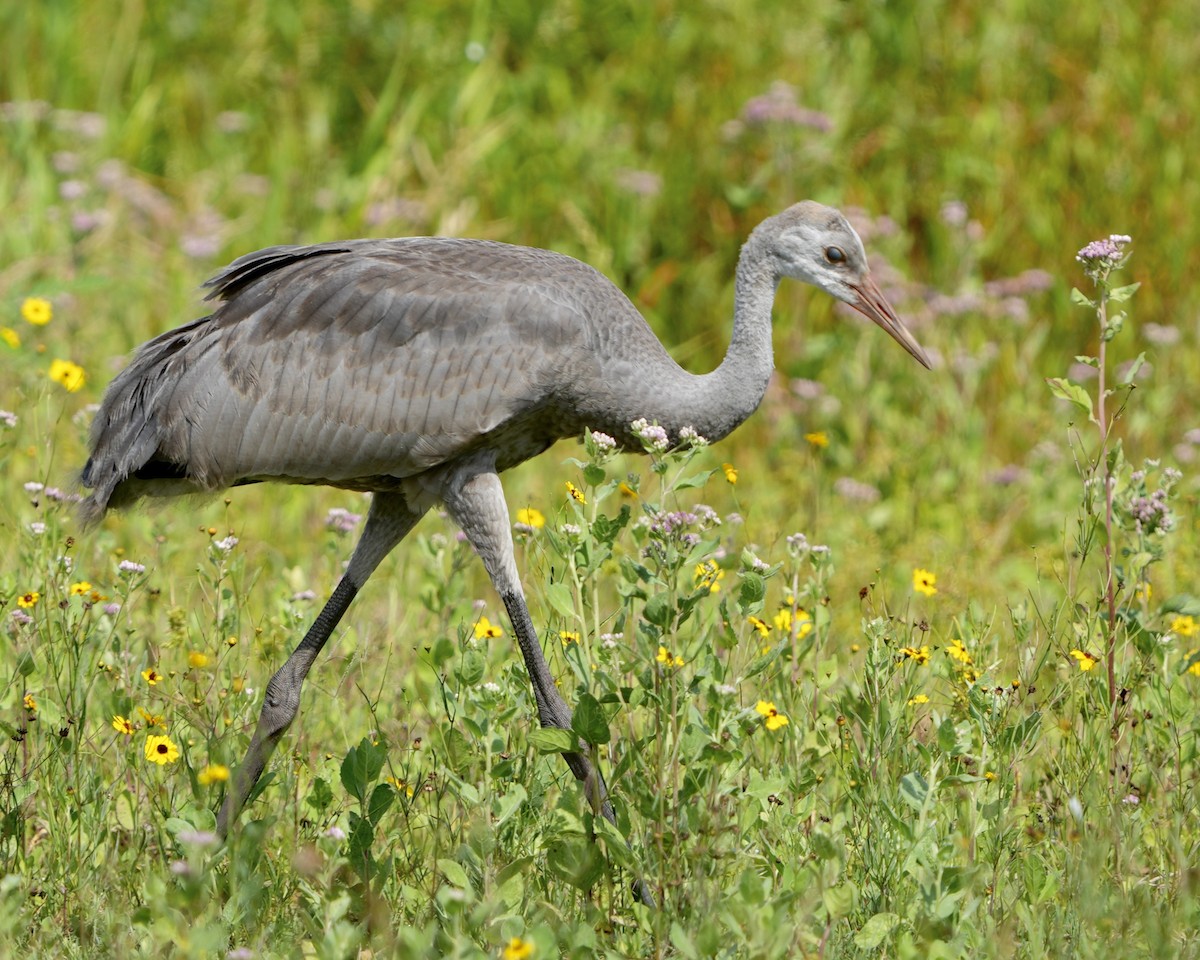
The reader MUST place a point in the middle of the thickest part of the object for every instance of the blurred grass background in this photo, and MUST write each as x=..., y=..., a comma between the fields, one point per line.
x=142, y=146
x=627, y=135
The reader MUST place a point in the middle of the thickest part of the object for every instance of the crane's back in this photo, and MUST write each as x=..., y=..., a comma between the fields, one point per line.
x=363, y=363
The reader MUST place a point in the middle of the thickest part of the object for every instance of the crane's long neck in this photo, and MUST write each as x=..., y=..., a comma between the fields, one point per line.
x=721, y=400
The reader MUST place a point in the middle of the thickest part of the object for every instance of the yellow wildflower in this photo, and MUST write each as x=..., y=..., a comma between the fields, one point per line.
x=28, y=599
x=1185, y=626
x=784, y=621
x=771, y=716
x=213, y=773
x=759, y=625
x=197, y=660
x=231, y=641
x=957, y=651
x=518, y=949
x=37, y=310
x=817, y=438
x=708, y=573
x=153, y=719
x=1194, y=669
x=30, y=703
x=486, y=630
x=924, y=582
x=626, y=490
x=122, y=725
x=1086, y=660
x=576, y=493
x=10, y=336
x=401, y=785
x=82, y=588
x=69, y=374
x=919, y=654
x=161, y=750
x=989, y=776
x=531, y=517
x=919, y=698
x=568, y=636
x=730, y=472
x=1143, y=592
x=664, y=657
x=151, y=676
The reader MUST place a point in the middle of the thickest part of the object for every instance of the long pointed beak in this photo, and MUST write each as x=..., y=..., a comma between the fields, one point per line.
x=873, y=304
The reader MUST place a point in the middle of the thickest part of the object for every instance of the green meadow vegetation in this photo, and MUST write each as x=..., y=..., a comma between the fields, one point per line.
x=906, y=667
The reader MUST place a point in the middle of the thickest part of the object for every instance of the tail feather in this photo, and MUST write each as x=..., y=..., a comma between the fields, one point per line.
x=131, y=427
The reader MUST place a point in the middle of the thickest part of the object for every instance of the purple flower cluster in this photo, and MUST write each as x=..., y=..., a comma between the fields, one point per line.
x=1151, y=514
x=778, y=106
x=654, y=438
x=1111, y=249
x=342, y=520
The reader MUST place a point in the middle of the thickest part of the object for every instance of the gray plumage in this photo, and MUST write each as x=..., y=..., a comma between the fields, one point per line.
x=419, y=369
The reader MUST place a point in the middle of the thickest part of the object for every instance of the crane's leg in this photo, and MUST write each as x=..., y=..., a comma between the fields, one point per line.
x=389, y=519
x=475, y=500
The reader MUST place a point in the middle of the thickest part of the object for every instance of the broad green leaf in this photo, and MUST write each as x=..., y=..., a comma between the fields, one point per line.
x=593, y=475
x=1121, y=294
x=658, y=610
x=914, y=790
x=361, y=768
x=589, y=722
x=470, y=670
x=752, y=590
x=453, y=871
x=840, y=900
x=1079, y=299
x=553, y=740
x=1066, y=390
x=578, y=862
x=559, y=597
x=876, y=930
x=382, y=797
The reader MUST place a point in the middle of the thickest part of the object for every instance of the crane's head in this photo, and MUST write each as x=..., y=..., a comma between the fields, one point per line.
x=815, y=244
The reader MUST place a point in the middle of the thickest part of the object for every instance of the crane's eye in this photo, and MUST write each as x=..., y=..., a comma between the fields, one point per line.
x=835, y=255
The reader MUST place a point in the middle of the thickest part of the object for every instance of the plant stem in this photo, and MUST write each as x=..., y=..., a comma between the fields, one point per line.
x=1109, y=585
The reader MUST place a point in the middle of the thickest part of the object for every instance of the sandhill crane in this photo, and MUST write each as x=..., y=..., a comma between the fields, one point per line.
x=419, y=369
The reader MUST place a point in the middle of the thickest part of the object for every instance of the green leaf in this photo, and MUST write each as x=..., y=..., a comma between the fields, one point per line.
x=1121, y=294
x=1066, y=390
x=361, y=768
x=682, y=942
x=1079, y=299
x=443, y=651
x=577, y=862
x=382, y=797
x=26, y=664
x=1090, y=361
x=507, y=805
x=840, y=900
x=658, y=610
x=470, y=671
x=914, y=790
x=1134, y=367
x=453, y=871
x=752, y=590
x=321, y=796
x=695, y=480
x=876, y=930
x=553, y=740
x=559, y=597
x=593, y=475
x=589, y=721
